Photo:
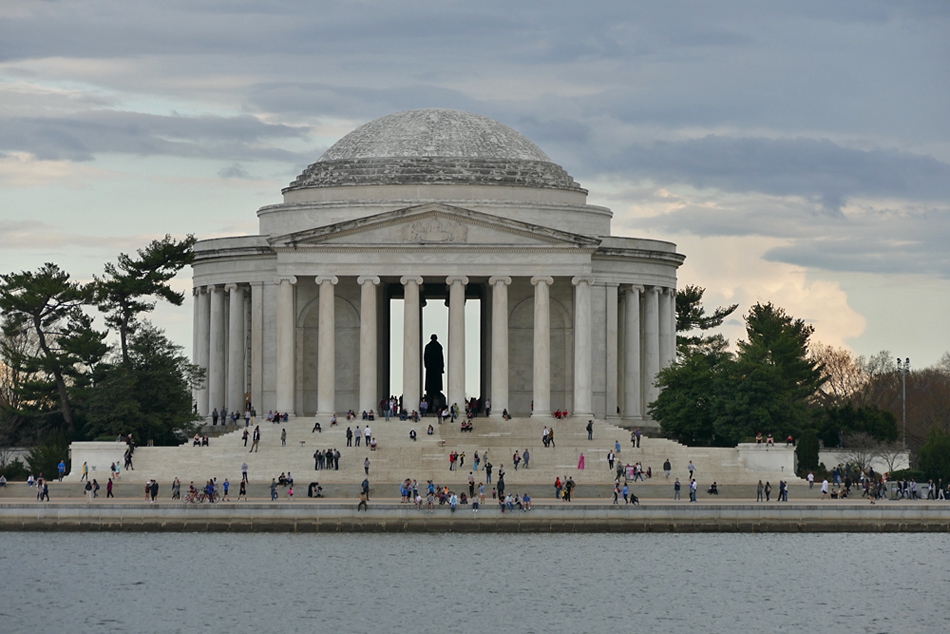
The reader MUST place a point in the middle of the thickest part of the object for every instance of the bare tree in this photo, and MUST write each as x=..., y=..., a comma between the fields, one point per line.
x=844, y=378
x=892, y=454
x=860, y=450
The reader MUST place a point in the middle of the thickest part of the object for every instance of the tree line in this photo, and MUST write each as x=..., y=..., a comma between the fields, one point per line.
x=779, y=381
x=64, y=379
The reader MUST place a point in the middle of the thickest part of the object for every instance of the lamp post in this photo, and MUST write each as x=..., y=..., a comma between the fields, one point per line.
x=903, y=370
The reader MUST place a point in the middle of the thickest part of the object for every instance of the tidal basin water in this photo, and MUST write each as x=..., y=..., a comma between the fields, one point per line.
x=449, y=583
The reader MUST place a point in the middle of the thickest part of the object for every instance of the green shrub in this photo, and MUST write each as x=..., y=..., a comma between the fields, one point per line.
x=807, y=451
x=14, y=470
x=45, y=458
x=909, y=474
x=934, y=457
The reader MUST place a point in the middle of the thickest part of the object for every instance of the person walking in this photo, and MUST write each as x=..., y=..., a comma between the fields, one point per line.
x=349, y=437
x=109, y=489
x=526, y=457
x=366, y=465
x=255, y=439
x=692, y=469
x=244, y=472
x=85, y=472
x=760, y=492
x=590, y=430
x=245, y=436
x=283, y=437
x=693, y=487
x=610, y=460
x=226, y=486
x=488, y=470
x=273, y=489
x=676, y=490
x=637, y=433
x=667, y=468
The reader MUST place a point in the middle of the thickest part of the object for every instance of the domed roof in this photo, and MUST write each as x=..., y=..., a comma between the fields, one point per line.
x=434, y=146
x=432, y=132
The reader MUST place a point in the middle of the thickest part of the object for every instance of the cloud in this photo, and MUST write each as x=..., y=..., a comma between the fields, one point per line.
x=80, y=136
x=34, y=235
x=733, y=272
x=815, y=169
x=20, y=169
x=234, y=171
x=867, y=235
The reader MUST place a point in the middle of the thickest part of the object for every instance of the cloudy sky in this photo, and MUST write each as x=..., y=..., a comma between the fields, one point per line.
x=796, y=152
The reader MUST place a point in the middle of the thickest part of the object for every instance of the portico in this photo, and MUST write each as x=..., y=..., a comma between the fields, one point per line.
x=297, y=319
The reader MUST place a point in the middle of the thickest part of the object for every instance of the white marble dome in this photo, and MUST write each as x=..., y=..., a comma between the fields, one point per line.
x=435, y=132
x=434, y=146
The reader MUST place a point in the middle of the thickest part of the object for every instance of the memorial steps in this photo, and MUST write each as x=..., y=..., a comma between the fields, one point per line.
x=398, y=457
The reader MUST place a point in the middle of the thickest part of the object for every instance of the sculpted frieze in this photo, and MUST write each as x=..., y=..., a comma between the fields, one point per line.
x=435, y=230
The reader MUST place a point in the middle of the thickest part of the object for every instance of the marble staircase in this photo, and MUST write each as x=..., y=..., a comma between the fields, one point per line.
x=398, y=457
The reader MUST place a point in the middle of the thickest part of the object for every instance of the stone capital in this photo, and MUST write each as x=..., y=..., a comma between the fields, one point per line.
x=197, y=290
x=671, y=291
x=406, y=279
x=452, y=279
x=583, y=279
x=285, y=278
x=320, y=279
x=655, y=289
x=371, y=279
x=210, y=288
x=542, y=278
x=230, y=286
x=499, y=279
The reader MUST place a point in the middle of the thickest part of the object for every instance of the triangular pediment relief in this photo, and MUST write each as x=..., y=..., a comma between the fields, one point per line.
x=433, y=224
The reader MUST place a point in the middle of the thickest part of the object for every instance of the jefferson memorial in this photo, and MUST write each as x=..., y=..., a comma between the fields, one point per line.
x=428, y=205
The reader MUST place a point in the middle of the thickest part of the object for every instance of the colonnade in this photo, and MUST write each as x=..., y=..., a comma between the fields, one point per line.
x=644, y=316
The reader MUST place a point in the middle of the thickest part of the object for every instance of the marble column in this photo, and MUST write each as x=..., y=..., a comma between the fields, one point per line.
x=235, y=398
x=499, y=343
x=583, y=348
x=217, y=357
x=631, y=354
x=542, y=345
x=326, y=346
x=286, y=382
x=651, y=342
x=456, y=285
x=202, y=358
x=612, y=338
x=666, y=335
x=672, y=293
x=369, y=393
x=257, y=345
x=194, y=339
x=412, y=344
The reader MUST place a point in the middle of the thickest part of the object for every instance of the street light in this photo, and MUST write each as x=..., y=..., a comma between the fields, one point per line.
x=903, y=370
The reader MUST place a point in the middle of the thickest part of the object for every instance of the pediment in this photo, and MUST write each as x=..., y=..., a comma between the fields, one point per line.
x=434, y=224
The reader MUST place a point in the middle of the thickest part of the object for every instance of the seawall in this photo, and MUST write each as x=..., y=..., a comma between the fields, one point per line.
x=399, y=518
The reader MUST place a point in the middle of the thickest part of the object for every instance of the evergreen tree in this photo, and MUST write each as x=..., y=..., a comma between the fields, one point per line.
x=691, y=316
x=46, y=302
x=125, y=291
x=150, y=397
